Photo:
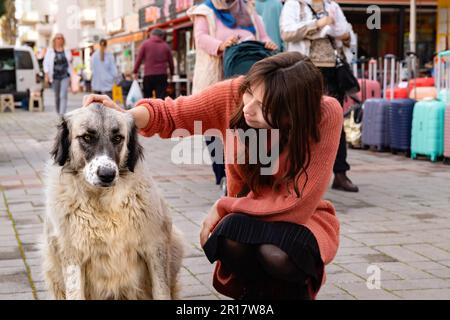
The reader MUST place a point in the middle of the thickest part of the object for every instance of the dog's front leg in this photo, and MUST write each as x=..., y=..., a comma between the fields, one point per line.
x=74, y=281
x=157, y=259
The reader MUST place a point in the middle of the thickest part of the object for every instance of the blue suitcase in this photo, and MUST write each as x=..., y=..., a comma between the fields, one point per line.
x=400, y=123
x=375, y=124
x=427, y=134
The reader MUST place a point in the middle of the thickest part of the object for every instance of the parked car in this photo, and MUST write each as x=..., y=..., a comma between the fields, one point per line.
x=20, y=74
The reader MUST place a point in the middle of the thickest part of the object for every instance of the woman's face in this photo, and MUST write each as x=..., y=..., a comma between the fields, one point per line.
x=253, y=108
x=59, y=40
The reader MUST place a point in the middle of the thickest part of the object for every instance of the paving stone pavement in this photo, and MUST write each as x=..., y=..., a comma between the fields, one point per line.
x=397, y=226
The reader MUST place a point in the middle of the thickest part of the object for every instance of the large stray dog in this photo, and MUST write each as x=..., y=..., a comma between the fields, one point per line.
x=107, y=234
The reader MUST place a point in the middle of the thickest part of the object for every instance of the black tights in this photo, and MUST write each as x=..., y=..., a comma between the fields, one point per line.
x=267, y=270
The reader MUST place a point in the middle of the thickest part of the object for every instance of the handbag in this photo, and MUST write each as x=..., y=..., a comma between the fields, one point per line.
x=346, y=80
x=353, y=124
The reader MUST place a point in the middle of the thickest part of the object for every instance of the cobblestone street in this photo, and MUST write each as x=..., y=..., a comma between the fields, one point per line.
x=398, y=222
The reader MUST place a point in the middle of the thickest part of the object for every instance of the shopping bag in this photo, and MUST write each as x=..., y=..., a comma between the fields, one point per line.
x=117, y=94
x=75, y=83
x=134, y=95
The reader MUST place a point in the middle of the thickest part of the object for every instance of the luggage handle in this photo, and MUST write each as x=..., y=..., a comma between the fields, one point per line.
x=411, y=60
x=363, y=61
x=443, y=75
x=373, y=69
x=391, y=58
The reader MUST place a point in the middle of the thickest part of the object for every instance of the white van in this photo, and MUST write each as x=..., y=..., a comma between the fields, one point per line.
x=19, y=72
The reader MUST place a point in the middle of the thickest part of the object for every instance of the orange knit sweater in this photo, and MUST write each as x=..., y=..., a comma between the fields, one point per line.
x=214, y=107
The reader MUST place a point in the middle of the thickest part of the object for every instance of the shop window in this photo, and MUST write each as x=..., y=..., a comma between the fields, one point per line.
x=393, y=38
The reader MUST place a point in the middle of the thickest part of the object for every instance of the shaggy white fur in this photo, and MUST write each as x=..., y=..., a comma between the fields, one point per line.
x=107, y=243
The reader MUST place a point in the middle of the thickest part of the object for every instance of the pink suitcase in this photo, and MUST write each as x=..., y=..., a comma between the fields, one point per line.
x=420, y=93
x=370, y=88
x=447, y=135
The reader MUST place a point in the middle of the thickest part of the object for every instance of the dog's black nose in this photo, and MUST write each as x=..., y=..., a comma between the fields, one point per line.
x=106, y=174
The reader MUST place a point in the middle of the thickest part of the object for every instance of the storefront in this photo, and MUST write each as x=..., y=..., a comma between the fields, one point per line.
x=171, y=16
x=126, y=37
x=393, y=36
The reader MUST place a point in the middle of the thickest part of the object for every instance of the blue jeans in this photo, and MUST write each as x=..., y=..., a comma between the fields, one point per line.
x=61, y=88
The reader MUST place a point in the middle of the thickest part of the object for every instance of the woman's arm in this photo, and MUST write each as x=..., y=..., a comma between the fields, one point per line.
x=263, y=36
x=319, y=172
x=339, y=29
x=203, y=39
x=209, y=109
x=46, y=65
x=292, y=28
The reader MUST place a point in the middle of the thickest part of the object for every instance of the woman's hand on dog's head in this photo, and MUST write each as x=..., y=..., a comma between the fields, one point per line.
x=103, y=99
x=140, y=114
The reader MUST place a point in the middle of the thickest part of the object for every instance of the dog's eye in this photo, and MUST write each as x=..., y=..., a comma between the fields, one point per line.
x=87, y=138
x=117, y=139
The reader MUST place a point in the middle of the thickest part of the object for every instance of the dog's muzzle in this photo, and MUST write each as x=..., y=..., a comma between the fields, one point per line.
x=102, y=171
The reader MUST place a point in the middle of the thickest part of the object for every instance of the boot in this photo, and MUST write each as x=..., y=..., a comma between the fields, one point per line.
x=343, y=183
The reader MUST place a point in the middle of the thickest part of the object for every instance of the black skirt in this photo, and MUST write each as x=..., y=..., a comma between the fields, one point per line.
x=296, y=240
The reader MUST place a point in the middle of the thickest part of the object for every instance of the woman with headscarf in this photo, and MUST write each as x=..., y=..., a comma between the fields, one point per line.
x=219, y=24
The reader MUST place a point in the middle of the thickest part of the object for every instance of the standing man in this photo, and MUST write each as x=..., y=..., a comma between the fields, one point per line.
x=157, y=57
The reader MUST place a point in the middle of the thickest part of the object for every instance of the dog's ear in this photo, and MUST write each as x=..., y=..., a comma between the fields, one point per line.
x=60, y=151
x=135, y=150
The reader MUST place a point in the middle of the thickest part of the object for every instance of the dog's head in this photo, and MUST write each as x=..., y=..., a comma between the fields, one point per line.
x=99, y=142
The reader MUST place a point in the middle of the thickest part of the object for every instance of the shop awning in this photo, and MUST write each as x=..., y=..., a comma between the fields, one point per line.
x=128, y=38
x=171, y=23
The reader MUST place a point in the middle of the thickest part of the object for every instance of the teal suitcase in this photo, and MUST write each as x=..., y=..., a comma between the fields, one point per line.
x=427, y=134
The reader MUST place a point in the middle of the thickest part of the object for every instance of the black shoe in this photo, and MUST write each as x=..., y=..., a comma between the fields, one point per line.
x=343, y=183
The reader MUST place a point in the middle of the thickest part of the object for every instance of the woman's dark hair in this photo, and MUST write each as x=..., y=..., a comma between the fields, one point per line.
x=293, y=90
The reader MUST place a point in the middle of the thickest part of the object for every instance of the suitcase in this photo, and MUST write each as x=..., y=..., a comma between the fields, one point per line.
x=399, y=93
x=400, y=123
x=393, y=92
x=375, y=132
x=427, y=134
x=443, y=81
x=447, y=136
x=420, y=93
x=370, y=88
x=421, y=82
x=375, y=124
